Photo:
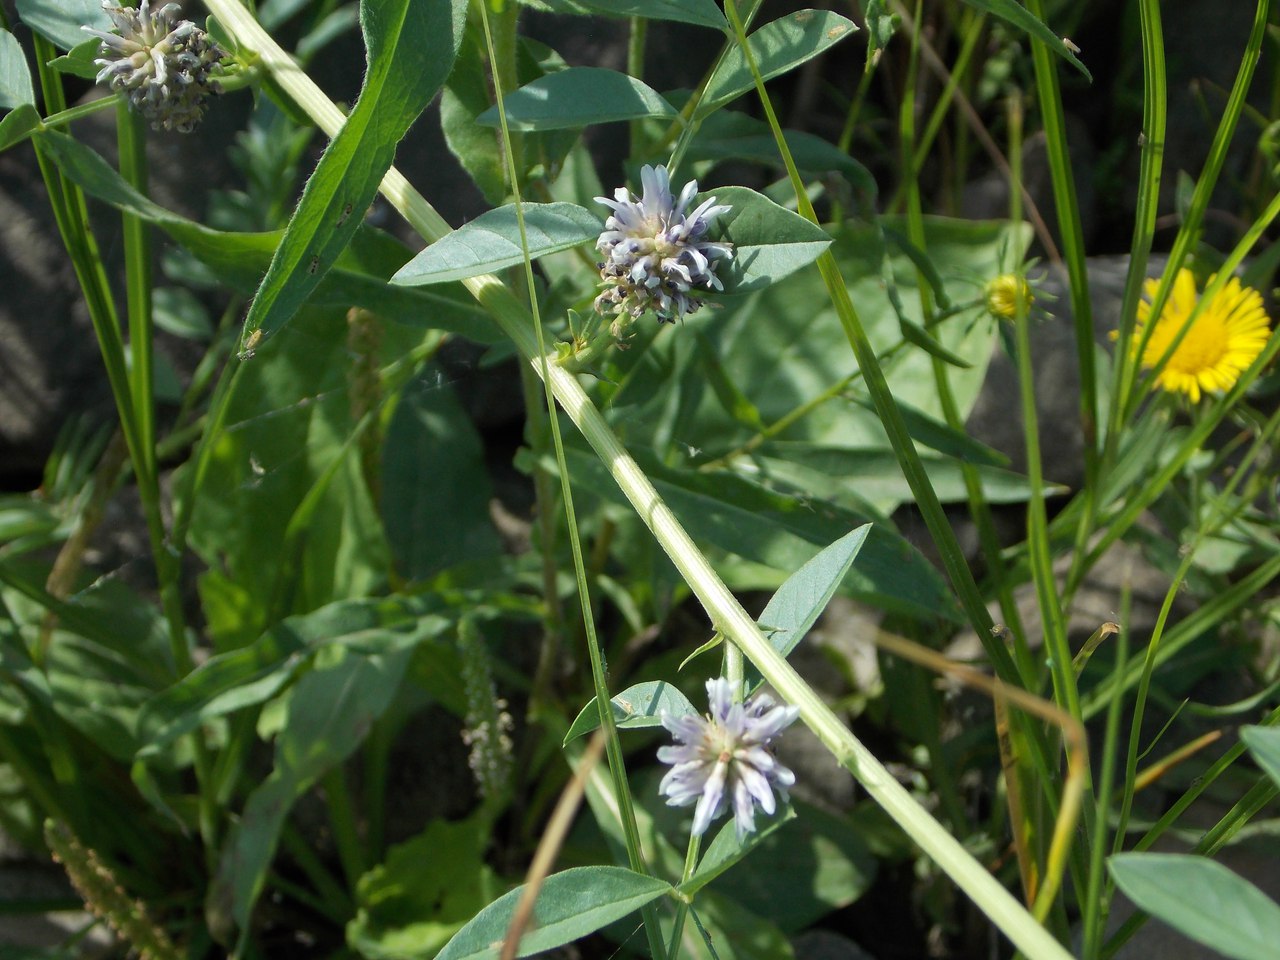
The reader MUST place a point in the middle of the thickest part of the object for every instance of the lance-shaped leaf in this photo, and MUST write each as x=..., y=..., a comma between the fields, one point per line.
x=1264, y=744
x=1202, y=899
x=253, y=674
x=734, y=513
x=492, y=241
x=702, y=13
x=570, y=905
x=578, y=97
x=411, y=49
x=731, y=135
x=769, y=241
x=329, y=712
x=777, y=47
x=15, y=78
x=240, y=259
x=61, y=20
x=798, y=603
x=1015, y=13
x=641, y=705
x=17, y=124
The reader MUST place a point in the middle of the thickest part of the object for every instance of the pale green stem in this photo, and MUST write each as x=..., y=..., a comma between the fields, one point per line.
x=613, y=746
x=723, y=608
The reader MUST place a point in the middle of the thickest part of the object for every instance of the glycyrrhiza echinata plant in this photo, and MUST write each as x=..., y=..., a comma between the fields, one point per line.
x=340, y=712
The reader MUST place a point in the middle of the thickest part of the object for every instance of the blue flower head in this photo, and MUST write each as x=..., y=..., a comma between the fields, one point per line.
x=162, y=64
x=656, y=255
x=725, y=757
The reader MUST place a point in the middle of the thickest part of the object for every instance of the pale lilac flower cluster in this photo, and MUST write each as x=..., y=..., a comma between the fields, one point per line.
x=161, y=63
x=726, y=755
x=656, y=256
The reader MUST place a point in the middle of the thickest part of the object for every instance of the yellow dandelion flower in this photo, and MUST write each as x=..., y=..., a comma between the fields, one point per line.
x=1225, y=338
x=1003, y=292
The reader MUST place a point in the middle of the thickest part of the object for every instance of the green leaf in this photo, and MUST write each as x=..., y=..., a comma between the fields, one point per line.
x=429, y=886
x=255, y=673
x=60, y=20
x=777, y=47
x=1264, y=744
x=936, y=435
x=491, y=242
x=179, y=312
x=23, y=516
x=725, y=928
x=726, y=849
x=328, y=713
x=1202, y=899
x=240, y=259
x=465, y=96
x=880, y=26
x=17, y=125
x=769, y=241
x=702, y=13
x=15, y=78
x=813, y=864
x=859, y=475
x=94, y=680
x=731, y=135
x=571, y=904
x=78, y=61
x=781, y=348
x=733, y=400
x=783, y=532
x=1016, y=14
x=640, y=705
x=798, y=603
x=411, y=48
x=435, y=488
x=578, y=97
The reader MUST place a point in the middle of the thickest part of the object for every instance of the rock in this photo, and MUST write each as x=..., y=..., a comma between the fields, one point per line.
x=826, y=945
x=844, y=632
x=51, y=365
x=996, y=417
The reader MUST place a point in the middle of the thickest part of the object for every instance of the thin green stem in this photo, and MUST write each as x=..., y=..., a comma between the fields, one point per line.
x=131, y=136
x=72, y=216
x=890, y=416
x=1066, y=692
x=342, y=818
x=1218, y=513
x=638, y=33
x=1072, y=237
x=613, y=746
x=682, y=908
x=1189, y=233
x=942, y=777
x=1154, y=109
x=536, y=433
x=1095, y=907
x=913, y=156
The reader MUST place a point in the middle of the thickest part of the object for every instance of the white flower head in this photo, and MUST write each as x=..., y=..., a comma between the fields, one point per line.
x=161, y=63
x=656, y=256
x=726, y=757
